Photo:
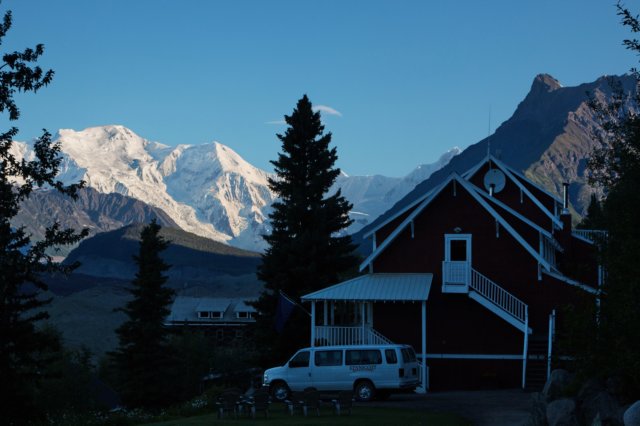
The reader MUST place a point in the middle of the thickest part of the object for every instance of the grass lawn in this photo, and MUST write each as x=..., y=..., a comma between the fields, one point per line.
x=369, y=416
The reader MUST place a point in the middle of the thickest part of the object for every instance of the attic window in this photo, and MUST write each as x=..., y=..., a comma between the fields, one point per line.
x=203, y=314
x=216, y=314
x=244, y=314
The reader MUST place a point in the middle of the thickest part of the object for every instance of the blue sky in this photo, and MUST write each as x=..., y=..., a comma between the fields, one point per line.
x=407, y=79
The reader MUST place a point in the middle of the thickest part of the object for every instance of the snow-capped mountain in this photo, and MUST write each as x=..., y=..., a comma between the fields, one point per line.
x=206, y=189
x=371, y=196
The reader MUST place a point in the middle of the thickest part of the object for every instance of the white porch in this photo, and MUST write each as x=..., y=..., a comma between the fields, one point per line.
x=343, y=313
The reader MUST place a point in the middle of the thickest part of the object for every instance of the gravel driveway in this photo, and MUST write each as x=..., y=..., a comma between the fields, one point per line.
x=489, y=407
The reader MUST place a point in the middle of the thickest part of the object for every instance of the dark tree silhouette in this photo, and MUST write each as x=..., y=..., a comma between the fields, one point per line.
x=306, y=251
x=144, y=359
x=23, y=347
x=612, y=348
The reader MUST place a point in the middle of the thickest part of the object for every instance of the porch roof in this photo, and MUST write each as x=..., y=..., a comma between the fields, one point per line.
x=377, y=288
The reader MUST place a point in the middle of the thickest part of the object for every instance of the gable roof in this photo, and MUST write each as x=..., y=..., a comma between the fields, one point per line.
x=514, y=173
x=377, y=287
x=406, y=208
x=470, y=189
x=511, y=173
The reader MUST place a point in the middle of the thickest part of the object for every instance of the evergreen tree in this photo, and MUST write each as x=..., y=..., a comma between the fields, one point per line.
x=595, y=217
x=306, y=250
x=144, y=360
x=23, y=346
x=612, y=348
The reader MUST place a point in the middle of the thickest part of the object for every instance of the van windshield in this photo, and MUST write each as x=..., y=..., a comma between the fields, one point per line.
x=408, y=355
x=300, y=360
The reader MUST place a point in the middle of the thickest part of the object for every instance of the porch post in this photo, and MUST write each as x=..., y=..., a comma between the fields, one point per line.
x=333, y=319
x=526, y=347
x=552, y=321
x=424, y=346
x=324, y=317
x=364, y=338
x=313, y=323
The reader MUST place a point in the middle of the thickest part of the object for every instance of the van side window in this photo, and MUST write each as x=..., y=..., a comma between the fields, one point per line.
x=408, y=355
x=328, y=358
x=391, y=356
x=363, y=357
x=300, y=360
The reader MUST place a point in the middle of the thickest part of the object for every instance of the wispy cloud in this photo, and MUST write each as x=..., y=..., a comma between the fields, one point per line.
x=324, y=109
x=327, y=110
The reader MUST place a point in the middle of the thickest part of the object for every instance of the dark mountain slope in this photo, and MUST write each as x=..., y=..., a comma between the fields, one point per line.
x=193, y=259
x=547, y=138
x=94, y=210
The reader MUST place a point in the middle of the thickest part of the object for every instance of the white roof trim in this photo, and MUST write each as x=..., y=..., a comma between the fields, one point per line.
x=404, y=223
x=472, y=171
x=517, y=173
x=395, y=287
x=527, y=192
x=470, y=188
x=399, y=213
x=574, y=283
x=513, y=212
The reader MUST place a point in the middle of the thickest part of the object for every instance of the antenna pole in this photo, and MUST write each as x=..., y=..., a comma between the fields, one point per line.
x=489, y=134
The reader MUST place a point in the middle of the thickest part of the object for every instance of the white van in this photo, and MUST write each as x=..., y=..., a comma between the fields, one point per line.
x=368, y=370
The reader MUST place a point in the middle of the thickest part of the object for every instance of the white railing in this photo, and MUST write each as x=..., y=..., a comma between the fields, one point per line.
x=456, y=273
x=498, y=296
x=593, y=235
x=548, y=250
x=349, y=335
x=423, y=374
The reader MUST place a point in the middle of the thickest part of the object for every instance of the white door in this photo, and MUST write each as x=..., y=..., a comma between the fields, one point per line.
x=456, y=268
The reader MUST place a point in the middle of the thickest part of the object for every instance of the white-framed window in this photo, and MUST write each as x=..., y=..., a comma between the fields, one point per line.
x=203, y=314
x=216, y=314
x=244, y=314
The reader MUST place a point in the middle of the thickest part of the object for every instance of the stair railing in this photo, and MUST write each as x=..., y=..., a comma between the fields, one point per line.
x=498, y=296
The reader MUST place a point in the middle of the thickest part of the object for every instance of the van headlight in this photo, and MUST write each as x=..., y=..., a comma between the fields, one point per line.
x=265, y=379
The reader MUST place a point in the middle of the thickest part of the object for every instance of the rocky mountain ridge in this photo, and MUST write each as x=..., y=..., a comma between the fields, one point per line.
x=205, y=189
x=548, y=138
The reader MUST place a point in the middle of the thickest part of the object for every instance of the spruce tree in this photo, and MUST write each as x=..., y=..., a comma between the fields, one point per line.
x=23, y=345
x=144, y=360
x=612, y=347
x=307, y=249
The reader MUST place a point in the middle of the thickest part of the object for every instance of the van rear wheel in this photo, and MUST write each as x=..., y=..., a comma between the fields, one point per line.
x=280, y=391
x=364, y=390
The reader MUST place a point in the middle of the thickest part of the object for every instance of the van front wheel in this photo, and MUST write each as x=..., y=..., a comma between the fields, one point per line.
x=280, y=391
x=364, y=390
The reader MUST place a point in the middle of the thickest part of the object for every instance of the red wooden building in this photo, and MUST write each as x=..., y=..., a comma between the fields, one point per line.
x=472, y=275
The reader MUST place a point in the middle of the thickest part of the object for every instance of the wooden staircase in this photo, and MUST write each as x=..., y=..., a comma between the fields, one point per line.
x=536, y=374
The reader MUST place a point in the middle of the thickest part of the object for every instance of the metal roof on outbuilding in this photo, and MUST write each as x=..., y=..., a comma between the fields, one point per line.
x=377, y=288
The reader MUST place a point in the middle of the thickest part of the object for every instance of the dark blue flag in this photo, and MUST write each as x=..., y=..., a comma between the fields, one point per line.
x=283, y=311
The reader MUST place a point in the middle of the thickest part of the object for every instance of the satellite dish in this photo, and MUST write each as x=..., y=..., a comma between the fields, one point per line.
x=494, y=181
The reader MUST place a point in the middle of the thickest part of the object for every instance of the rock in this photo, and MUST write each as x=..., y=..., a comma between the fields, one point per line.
x=615, y=386
x=631, y=417
x=589, y=390
x=538, y=410
x=601, y=409
x=557, y=382
x=562, y=412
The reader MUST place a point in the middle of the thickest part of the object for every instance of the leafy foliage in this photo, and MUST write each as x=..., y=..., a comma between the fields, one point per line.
x=25, y=350
x=306, y=251
x=612, y=346
x=144, y=360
